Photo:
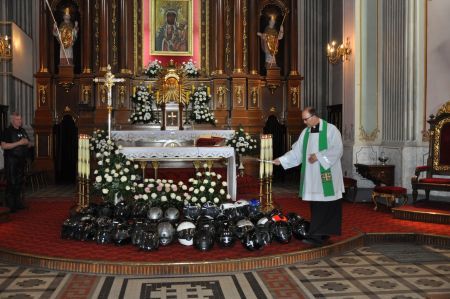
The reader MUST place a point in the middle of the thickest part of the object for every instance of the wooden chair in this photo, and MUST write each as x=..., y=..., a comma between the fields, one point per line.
x=438, y=162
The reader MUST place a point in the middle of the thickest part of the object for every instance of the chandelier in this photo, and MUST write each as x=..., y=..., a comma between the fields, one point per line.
x=338, y=53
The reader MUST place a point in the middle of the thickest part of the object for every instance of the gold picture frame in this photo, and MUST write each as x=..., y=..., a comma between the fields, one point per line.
x=171, y=27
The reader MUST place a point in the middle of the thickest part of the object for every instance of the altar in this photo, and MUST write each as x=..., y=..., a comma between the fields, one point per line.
x=177, y=146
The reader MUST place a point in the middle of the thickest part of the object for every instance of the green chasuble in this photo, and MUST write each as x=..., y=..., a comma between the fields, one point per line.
x=327, y=179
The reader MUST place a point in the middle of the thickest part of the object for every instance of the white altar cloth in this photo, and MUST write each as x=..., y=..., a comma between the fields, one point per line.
x=131, y=136
x=194, y=153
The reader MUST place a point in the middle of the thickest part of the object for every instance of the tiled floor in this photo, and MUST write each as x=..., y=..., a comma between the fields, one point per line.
x=366, y=272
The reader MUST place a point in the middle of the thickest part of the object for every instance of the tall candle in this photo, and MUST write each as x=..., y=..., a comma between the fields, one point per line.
x=208, y=90
x=270, y=155
x=134, y=90
x=266, y=157
x=157, y=95
x=261, y=157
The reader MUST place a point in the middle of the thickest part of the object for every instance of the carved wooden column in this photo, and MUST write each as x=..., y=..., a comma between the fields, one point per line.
x=87, y=37
x=43, y=45
x=294, y=39
x=238, y=36
x=125, y=33
x=220, y=12
x=252, y=37
x=104, y=35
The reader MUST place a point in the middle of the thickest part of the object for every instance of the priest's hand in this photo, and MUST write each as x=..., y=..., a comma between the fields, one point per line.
x=276, y=162
x=312, y=158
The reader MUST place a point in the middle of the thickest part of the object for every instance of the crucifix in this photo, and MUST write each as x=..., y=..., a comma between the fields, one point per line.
x=109, y=80
x=173, y=118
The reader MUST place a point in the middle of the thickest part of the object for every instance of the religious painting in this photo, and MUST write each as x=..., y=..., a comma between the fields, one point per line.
x=171, y=27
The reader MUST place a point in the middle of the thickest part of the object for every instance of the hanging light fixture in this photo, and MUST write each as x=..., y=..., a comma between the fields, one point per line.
x=338, y=53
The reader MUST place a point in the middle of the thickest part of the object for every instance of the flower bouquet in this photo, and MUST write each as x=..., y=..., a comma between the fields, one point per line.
x=153, y=69
x=199, y=102
x=243, y=143
x=206, y=187
x=143, y=111
x=189, y=69
x=161, y=192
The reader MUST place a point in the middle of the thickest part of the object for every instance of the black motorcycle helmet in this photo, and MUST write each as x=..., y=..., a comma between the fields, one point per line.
x=242, y=208
x=191, y=211
x=265, y=235
x=228, y=209
x=139, y=210
x=88, y=230
x=294, y=218
x=121, y=234
x=252, y=241
x=166, y=233
x=225, y=236
x=104, y=235
x=206, y=222
x=210, y=209
x=122, y=210
x=282, y=232
x=105, y=209
x=150, y=241
x=275, y=212
x=243, y=226
x=203, y=240
x=68, y=227
x=137, y=232
x=301, y=229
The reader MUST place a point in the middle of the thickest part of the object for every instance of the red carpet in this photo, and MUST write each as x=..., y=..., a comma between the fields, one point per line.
x=37, y=231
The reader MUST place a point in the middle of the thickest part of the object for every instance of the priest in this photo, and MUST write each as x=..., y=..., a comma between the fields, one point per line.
x=319, y=151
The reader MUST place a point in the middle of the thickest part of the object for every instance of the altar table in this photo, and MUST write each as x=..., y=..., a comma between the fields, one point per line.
x=187, y=153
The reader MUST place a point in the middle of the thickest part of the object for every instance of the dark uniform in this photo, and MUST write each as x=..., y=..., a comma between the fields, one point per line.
x=15, y=160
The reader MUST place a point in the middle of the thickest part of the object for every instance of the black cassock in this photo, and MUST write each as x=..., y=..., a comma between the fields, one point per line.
x=326, y=217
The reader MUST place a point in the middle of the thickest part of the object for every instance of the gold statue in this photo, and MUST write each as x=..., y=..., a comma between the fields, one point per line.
x=69, y=33
x=269, y=41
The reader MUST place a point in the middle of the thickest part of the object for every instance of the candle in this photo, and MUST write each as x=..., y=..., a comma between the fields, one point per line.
x=193, y=88
x=208, y=90
x=270, y=155
x=157, y=95
x=88, y=168
x=134, y=90
x=266, y=157
x=261, y=156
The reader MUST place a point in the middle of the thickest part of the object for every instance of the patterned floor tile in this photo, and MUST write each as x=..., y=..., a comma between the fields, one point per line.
x=429, y=283
x=407, y=270
x=383, y=284
x=362, y=272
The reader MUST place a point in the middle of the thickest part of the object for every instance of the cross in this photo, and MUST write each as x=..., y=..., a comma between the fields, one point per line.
x=326, y=176
x=109, y=80
x=173, y=118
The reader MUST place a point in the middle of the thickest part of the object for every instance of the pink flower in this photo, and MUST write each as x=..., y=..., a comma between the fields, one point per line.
x=174, y=188
x=159, y=188
x=147, y=190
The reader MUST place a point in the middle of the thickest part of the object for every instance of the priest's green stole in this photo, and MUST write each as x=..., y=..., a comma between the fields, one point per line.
x=327, y=179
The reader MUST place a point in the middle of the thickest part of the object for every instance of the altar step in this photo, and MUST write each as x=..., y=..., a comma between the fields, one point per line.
x=431, y=212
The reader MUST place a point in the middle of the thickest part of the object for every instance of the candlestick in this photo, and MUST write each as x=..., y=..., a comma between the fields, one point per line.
x=157, y=95
x=134, y=91
x=193, y=87
x=208, y=90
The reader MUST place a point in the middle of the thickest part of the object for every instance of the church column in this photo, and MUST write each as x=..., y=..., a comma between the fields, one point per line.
x=104, y=34
x=238, y=36
x=220, y=12
x=87, y=26
x=252, y=37
x=125, y=35
x=294, y=38
x=43, y=46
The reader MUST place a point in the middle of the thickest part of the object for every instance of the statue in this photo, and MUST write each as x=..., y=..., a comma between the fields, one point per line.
x=67, y=36
x=269, y=41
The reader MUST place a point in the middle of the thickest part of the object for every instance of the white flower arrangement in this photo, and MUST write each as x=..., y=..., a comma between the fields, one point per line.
x=199, y=101
x=153, y=69
x=243, y=143
x=189, y=69
x=161, y=192
x=143, y=110
x=206, y=187
x=115, y=174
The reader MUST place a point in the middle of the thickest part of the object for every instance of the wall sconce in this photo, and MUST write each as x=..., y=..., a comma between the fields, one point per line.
x=5, y=47
x=341, y=52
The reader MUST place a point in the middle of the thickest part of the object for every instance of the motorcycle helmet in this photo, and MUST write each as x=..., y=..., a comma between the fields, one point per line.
x=264, y=235
x=150, y=241
x=294, y=218
x=104, y=222
x=264, y=222
x=252, y=241
x=172, y=214
x=206, y=222
x=185, y=233
x=137, y=233
x=243, y=226
x=282, y=232
x=104, y=235
x=88, y=230
x=228, y=209
x=242, y=208
x=203, y=240
x=225, y=236
x=139, y=210
x=121, y=234
x=301, y=229
x=210, y=209
x=105, y=210
x=165, y=233
x=254, y=206
x=154, y=214
x=191, y=211
x=275, y=212
x=67, y=229
x=278, y=218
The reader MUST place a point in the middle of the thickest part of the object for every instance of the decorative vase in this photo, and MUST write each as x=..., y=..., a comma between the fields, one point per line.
x=241, y=167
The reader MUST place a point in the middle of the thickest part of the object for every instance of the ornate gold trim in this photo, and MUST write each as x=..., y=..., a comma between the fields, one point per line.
x=445, y=108
x=437, y=142
x=227, y=35
x=363, y=135
x=114, y=32
x=244, y=36
x=215, y=266
x=97, y=34
x=421, y=216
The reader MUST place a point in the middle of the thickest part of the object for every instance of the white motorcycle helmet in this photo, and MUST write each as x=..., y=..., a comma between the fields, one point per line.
x=185, y=233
